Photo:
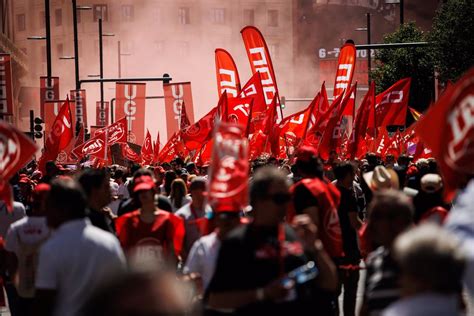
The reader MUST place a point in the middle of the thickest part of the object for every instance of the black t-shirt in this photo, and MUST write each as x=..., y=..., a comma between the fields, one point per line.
x=130, y=205
x=348, y=205
x=303, y=198
x=249, y=259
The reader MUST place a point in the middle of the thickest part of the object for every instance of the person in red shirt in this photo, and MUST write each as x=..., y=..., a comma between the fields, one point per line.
x=149, y=235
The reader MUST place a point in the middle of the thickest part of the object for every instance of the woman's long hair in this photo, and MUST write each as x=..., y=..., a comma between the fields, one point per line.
x=178, y=192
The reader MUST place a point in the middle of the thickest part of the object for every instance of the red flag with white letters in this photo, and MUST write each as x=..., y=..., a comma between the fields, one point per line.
x=117, y=132
x=94, y=147
x=448, y=130
x=229, y=169
x=260, y=60
x=227, y=75
x=253, y=89
x=130, y=102
x=129, y=153
x=391, y=105
x=176, y=94
x=345, y=69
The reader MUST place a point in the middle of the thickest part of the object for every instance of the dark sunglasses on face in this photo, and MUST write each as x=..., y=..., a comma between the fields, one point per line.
x=280, y=198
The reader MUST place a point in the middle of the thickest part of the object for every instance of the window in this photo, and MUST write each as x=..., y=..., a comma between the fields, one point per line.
x=272, y=17
x=218, y=16
x=274, y=50
x=249, y=17
x=21, y=22
x=42, y=20
x=60, y=49
x=127, y=13
x=183, y=49
x=78, y=16
x=100, y=11
x=183, y=16
x=58, y=17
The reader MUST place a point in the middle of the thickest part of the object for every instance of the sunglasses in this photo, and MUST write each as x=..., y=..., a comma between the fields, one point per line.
x=280, y=198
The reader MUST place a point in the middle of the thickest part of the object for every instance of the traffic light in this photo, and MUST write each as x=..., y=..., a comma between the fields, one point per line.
x=38, y=127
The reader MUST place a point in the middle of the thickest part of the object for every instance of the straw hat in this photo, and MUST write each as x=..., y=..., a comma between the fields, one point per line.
x=381, y=178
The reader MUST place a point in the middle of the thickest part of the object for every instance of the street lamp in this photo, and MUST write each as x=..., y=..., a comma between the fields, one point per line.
x=367, y=29
x=400, y=2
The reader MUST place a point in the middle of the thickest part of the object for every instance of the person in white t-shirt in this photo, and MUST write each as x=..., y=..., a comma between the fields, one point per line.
x=23, y=241
x=202, y=258
x=77, y=258
x=7, y=218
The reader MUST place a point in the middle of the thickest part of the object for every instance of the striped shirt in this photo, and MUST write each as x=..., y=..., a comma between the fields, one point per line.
x=381, y=283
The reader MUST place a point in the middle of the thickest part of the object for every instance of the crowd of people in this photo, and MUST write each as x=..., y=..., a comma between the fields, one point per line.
x=144, y=240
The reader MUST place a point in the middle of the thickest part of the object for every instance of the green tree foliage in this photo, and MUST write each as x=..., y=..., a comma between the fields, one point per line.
x=452, y=45
x=395, y=64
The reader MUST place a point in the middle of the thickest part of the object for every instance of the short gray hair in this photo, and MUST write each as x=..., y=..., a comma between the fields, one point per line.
x=431, y=255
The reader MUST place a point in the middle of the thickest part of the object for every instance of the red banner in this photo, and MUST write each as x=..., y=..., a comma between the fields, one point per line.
x=130, y=102
x=102, y=114
x=79, y=97
x=345, y=69
x=6, y=85
x=238, y=111
x=117, y=132
x=447, y=129
x=175, y=95
x=253, y=89
x=48, y=92
x=259, y=58
x=227, y=74
x=229, y=169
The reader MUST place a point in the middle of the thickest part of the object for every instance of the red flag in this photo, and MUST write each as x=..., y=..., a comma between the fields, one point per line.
x=229, y=169
x=382, y=142
x=183, y=120
x=324, y=105
x=147, y=149
x=15, y=151
x=95, y=147
x=61, y=135
x=451, y=139
x=78, y=142
x=238, y=111
x=258, y=145
x=130, y=102
x=204, y=155
x=332, y=136
x=253, y=88
x=345, y=69
x=129, y=153
x=259, y=58
x=200, y=132
x=176, y=94
x=6, y=85
x=227, y=74
x=174, y=147
x=116, y=132
x=356, y=145
x=290, y=132
x=391, y=105
x=156, y=148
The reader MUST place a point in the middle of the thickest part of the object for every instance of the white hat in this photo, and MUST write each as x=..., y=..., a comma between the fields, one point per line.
x=431, y=182
x=114, y=187
x=381, y=178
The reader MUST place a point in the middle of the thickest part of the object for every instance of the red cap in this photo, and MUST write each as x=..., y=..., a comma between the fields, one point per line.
x=24, y=180
x=143, y=183
x=306, y=153
x=42, y=187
